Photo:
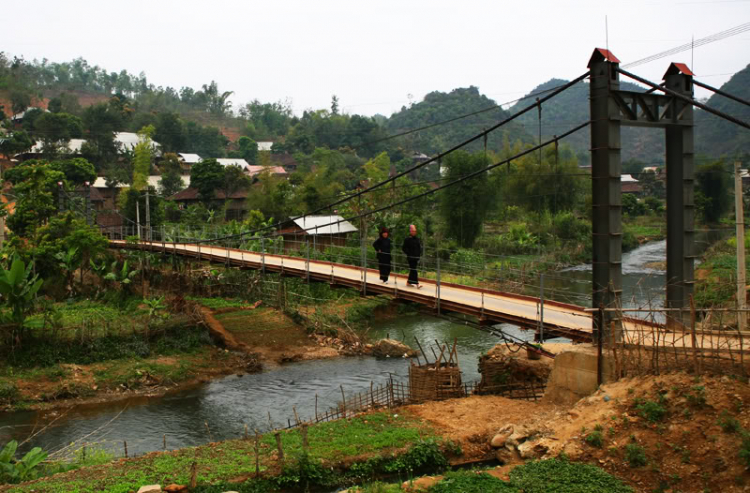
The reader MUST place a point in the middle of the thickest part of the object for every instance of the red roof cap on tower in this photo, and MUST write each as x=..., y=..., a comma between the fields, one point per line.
x=678, y=68
x=600, y=54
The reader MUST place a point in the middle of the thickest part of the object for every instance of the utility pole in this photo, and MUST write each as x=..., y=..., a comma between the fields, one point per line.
x=740, y=216
x=138, y=216
x=148, y=217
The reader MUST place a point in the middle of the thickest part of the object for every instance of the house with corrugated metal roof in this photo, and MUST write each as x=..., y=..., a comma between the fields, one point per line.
x=319, y=232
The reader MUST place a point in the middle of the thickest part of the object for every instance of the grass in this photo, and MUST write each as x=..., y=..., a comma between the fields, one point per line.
x=365, y=437
x=220, y=303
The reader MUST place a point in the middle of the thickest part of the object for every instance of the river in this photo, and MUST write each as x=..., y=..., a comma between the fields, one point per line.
x=222, y=408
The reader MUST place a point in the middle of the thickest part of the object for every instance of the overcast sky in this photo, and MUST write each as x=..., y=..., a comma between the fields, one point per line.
x=374, y=55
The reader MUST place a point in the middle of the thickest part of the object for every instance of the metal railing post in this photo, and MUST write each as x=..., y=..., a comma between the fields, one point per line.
x=437, y=287
x=541, y=308
x=263, y=256
x=307, y=260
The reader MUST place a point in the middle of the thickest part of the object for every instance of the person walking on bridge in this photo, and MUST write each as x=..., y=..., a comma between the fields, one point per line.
x=383, y=246
x=412, y=247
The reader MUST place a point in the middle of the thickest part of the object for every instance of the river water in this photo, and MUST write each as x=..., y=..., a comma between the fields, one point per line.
x=222, y=408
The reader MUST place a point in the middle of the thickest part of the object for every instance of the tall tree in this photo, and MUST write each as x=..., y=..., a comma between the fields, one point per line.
x=464, y=206
x=55, y=131
x=207, y=176
x=143, y=154
x=713, y=191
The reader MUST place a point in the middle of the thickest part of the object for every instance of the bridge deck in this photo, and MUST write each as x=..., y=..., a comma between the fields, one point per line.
x=560, y=319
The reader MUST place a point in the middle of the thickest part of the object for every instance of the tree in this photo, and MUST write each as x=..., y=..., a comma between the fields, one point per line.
x=19, y=100
x=235, y=179
x=170, y=132
x=64, y=103
x=207, y=176
x=101, y=121
x=334, y=105
x=248, y=149
x=14, y=143
x=171, y=176
x=142, y=158
x=712, y=191
x=464, y=206
x=35, y=186
x=77, y=171
x=55, y=131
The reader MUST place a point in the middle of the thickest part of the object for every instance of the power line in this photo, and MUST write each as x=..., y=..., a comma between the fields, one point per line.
x=688, y=46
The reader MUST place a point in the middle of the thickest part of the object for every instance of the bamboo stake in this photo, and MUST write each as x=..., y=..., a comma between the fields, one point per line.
x=343, y=399
x=305, y=445
x=193, y=475
x=279, y=447
x=125, y=443
x=257, y=453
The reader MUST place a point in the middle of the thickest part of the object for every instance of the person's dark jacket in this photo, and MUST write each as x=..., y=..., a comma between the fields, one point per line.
x=382, y=245
x=412, y=247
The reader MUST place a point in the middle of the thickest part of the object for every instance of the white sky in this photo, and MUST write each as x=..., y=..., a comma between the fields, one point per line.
x=371, y=54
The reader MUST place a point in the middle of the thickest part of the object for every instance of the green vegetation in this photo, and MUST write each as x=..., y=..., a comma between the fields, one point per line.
x=383, y=443
x=635, y=455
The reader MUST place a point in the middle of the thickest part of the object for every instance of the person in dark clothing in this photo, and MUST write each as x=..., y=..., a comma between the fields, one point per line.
x=412, y=247
x=383, y=246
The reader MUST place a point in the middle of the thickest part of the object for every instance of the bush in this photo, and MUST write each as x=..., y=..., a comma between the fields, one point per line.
x=569, y=227
x=635, y=455
x=471, y=482
x=729, y=424
x=8, y=392
x=595, y=439
x=651, y=411
x=563, y=476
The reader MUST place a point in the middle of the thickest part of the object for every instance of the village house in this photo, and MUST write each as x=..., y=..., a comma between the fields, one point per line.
x=316, y=231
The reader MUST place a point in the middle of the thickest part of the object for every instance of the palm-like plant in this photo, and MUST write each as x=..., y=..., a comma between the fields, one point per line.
x=18, y=286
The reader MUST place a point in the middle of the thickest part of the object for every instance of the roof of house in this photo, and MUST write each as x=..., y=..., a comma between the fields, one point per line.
x=265, y=145
x=127, y=140
x=19, y=116
x=321, y=225
x=188, y=158
x=233, y=161
x=628, y=179
x=153, y=181
x=284, y=159
x=192, y=194
x=274, y=170
x=631, y=187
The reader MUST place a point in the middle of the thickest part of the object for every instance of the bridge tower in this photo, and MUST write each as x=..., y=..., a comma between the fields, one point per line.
x=610, y=108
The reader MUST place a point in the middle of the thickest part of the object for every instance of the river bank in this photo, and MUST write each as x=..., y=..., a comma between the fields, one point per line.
x=677, y=430
x=222, y=337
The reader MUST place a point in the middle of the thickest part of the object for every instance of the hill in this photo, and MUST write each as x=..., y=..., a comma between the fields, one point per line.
x=715, y=136
x=440, y=106
x=571, y=107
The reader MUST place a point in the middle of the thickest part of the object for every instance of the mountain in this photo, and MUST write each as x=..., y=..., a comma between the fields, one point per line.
x=715, y=136
x=571, y=107
x=440, y=106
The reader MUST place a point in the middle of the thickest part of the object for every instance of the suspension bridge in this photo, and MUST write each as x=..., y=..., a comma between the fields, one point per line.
x=668, y=105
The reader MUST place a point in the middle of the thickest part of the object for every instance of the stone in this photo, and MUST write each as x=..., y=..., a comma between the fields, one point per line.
x=505, y=456
x=175, y=488
x=390, y=348
x=152, y=488
x=532, y=450
x=498, y=441
x=421, y=484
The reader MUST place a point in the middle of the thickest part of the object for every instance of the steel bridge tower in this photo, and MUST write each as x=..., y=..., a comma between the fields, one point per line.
x=610, y=109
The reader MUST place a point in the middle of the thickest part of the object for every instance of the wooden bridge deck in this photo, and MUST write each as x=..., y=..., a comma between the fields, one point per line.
x=490, y=307
x=560, y=319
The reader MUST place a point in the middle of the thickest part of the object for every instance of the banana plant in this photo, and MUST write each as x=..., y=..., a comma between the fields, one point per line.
x=16, y=471
x=68, y=261
x=18, y=286
x=123, y=275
